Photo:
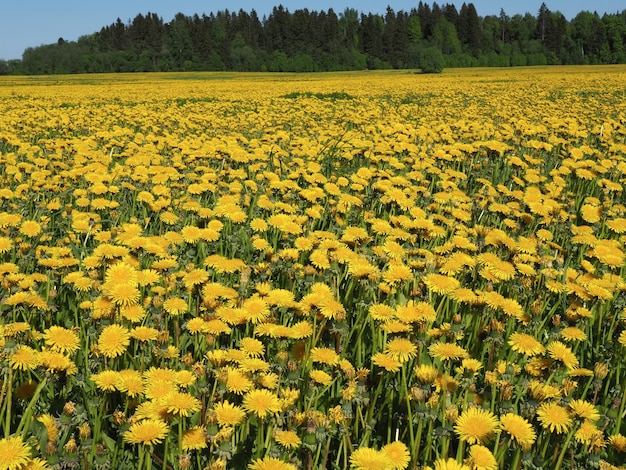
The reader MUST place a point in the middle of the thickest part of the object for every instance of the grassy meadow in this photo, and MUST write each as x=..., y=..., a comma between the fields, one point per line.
x=376, y=270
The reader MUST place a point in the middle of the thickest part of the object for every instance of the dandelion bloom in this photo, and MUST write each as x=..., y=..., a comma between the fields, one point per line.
x=261, y=402
x=396, y=273
x=554, y=417
x=123, y=295
x=121, y=273
x=113, y=340
x=195, y=438
x=30, y=228
x=147, y=432
x=447, y=351
x=237, y=381
x=14, y=453
x=252, y=346
x=228, y=414
x=106, y=380
x=588, y=433
x=320, y=377
x=130, y=382
x=270, y=463
x=175, y=306
x=24, y=358
x=401, y=349
x=519, y=429
x=386, y=361
x=584, y=410
x=61, y=339
x=381, y=312
x=618, y=442
x=181, y=404
x=398, y=454
x=370, y=459
x=449, y=464
x=287, y=439
x=561, y=352
x=144, y=333
x=256, y=309
x=324, y=355
x=6, y=244
x=441, y=284
x=481, y=458
x=526, y=344
x=476, y=425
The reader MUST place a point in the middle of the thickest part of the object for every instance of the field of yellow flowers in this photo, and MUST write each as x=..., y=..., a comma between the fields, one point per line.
x=377, y=270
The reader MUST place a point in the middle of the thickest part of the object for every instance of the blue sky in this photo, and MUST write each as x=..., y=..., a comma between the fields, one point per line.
x=31, y=23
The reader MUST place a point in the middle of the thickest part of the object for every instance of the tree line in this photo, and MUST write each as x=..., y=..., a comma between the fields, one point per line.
x=429, y=37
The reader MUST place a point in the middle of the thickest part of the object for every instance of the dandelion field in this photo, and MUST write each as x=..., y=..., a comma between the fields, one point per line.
x=378, y=270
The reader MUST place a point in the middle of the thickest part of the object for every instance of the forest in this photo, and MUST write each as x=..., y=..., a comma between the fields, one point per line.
x=430, y=37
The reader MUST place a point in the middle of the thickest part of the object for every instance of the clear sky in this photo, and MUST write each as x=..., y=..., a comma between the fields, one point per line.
x=31, y=23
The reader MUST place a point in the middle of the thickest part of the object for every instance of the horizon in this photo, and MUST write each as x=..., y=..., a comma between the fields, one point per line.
x=34, y=23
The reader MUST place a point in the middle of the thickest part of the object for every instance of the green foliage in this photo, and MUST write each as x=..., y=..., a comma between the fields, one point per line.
x=432, y=60
x=307, y=41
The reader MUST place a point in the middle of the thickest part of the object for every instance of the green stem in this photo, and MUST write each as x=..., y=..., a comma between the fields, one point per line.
x=25, y=421
x=559, y=462
x=9, y=399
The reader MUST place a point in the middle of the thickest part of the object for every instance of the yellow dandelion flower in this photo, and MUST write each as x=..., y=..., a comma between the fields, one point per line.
x=449, y=464
x=14, y=454
x=30, y=228
x=237, y=381
x=401, y=349
x=252, y=347
x=584, y=409
x=61, y=339
x=195, y=277
x=6, y=244
x=320, y=377
x=24, y=358
x=144, y=333
x=130, y=382
x=106, y=380
x=261, y=402
x=481, y=458
x=287, y=439
x=228, y=414
x=526, y=344
x=447, y=351
x=520, y=430
x=181, y=404
x=271, y=463
x=396, y=273
x=398, y=455
x=618, y=441
x=386, y=361
x=113, y=341
x=587, y=433
x=123, y=295
x=441, y=284
x=381, y=312
x=324, y=355
x=175, y=306
x=256, y=309
x=147, y=432
x=133, y=313
x=195, y=438
x=52, y=426
x=476, y=425
x=554, y=417
x=370, y=459
x=561, y=352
